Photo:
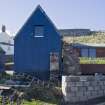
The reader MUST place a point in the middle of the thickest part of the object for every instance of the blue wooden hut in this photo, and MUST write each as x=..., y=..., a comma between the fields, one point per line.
x=34, y=44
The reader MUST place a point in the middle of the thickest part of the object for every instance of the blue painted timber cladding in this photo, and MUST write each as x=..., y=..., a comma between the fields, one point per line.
x=32, y=54
x=2, y=60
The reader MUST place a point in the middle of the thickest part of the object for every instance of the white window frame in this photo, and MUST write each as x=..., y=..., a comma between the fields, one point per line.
x=39, y=31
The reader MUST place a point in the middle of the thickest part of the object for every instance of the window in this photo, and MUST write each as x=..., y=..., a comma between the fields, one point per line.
x=92, y=52
x=88, y=52
x=84, y=52
x=39, y=31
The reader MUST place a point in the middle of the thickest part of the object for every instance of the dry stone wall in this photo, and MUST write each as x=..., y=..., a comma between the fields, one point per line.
x=71, y=64
x=82, y=88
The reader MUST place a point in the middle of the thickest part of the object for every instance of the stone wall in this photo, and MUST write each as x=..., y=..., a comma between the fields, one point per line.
x=82, y=88
x=71, y=64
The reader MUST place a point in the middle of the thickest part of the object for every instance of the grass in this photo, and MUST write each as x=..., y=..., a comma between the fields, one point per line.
x=38, y=94
x=36, y=102
x=42, y=95
x=93, y=38
x=92, y=60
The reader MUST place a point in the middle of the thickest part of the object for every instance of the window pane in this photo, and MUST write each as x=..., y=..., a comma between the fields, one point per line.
x=84, y=52
x=39, y=31
x=92, y=52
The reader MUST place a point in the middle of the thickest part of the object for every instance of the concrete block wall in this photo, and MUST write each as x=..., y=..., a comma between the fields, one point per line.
x=82, y=88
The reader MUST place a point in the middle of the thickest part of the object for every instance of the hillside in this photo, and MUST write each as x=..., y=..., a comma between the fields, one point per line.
x=96, y=37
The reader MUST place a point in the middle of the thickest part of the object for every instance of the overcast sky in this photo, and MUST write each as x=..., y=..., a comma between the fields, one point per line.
x=64, y=13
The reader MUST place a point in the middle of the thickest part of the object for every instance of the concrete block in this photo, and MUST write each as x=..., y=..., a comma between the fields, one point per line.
x=87, y=93
x=91, y=97
x=84, y=98
x=79, y=83
x=94, y=83
x=90, y=88
x=96, y=88
x=72, y=94
x=67, y=99
x=104, y=92
x=100, y=92
x=71, y=99
x=68, y=90
x=74, y=78
x=69, y=84
x=75, y=99
x=80, y=94
x=86, y=83
x=74, y=88
x=83, y=78
x=98, y=95
x=94, y=93
x=101, y=83
x=90, y=78
x=82, y=89
x=102, y=87
x=65, y=78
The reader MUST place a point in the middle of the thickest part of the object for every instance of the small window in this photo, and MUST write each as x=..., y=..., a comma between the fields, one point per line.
x=84, y=52
x=92, y=52
x=39, y=31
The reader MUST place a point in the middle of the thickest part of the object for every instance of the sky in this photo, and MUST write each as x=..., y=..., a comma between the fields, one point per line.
x=65, y=14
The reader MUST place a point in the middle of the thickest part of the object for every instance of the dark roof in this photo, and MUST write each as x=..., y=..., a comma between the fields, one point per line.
x=84, y=45
x=43, y=12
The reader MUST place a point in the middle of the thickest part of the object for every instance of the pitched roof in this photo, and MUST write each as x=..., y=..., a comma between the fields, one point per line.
x=38, y=8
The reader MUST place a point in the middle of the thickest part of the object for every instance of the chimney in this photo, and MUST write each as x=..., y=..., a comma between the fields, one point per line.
x=3, y=28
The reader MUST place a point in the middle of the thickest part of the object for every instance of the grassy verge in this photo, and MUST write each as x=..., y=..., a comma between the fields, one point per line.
x=92, y=60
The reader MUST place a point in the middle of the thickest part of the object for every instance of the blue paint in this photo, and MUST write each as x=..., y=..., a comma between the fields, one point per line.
x=2, y=60
x=32, y=54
